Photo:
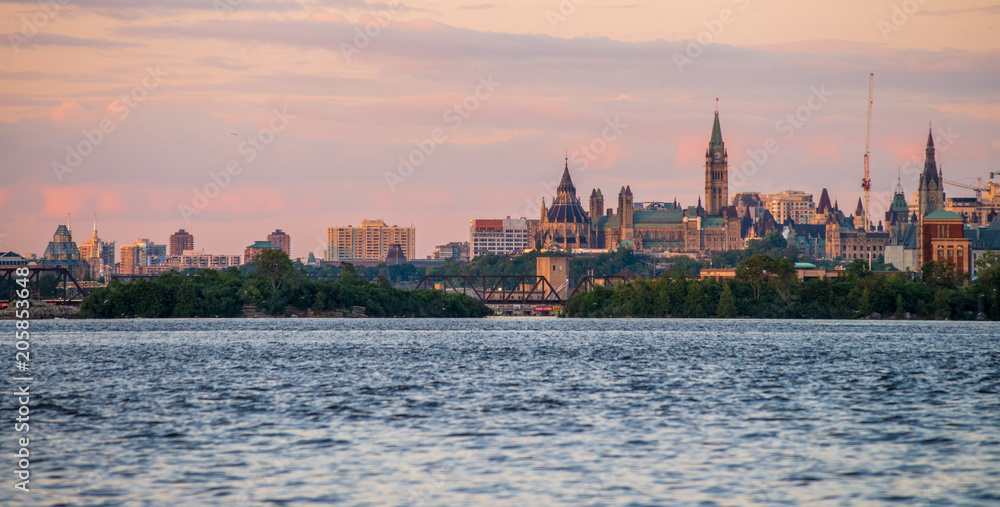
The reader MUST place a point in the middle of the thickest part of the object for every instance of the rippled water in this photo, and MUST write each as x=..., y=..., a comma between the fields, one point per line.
x=513, y=412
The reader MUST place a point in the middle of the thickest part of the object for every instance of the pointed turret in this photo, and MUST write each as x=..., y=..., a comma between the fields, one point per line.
x=566, y=184
x=931, y=190
x=824, y=203
x=930, y=164
x=716, y=141
x=628, y=190
x=860, y=210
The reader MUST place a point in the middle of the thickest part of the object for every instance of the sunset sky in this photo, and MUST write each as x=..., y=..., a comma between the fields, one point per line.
x=134, y=110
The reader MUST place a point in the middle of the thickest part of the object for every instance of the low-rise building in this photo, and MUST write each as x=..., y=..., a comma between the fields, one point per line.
x=457, y=251
x=200, y=260
x=256, y=248
x=943, y=238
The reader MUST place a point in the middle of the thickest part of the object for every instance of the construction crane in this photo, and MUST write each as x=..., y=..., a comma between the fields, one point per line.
x=978, y=188
x=866, y=182
x=990, y=188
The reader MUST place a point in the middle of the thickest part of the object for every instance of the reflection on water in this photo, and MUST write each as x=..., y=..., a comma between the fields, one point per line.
x=516, y=412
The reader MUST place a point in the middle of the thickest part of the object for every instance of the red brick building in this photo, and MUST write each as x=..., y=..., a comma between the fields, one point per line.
x=942, y=238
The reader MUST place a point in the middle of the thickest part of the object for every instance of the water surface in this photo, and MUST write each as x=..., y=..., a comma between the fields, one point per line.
x=511, y=412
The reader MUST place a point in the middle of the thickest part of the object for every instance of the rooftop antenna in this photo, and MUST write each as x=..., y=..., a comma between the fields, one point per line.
x=717, y=105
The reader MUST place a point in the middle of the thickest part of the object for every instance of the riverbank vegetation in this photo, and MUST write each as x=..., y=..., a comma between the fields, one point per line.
x=768, y=287
x=270, y=283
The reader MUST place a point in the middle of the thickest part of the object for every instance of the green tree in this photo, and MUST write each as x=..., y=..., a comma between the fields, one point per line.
x=188, y=301
x=694, y=302
x=942, y=273
x=900, y=307
x=727, y=302
x=942, y=310
x=754, y=272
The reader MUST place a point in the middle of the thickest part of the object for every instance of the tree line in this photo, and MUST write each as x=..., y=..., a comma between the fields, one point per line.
x=768, y=287
x=273, y=284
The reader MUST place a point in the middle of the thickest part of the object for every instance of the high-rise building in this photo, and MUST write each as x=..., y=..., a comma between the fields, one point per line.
x=716, y=172
x=501, y=236
x=283, y=240
x=142, y=252
x=180, y=241
x=369, y=241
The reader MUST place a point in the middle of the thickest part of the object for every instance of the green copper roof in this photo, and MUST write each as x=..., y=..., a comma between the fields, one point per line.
x=264, y=244
x=943, y=214
x=713, y=223
x=899, y=203
x=716, y=133
x=658, y=216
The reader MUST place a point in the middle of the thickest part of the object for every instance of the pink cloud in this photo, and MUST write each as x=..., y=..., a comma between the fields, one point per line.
x=67, y=110
x=327, y=17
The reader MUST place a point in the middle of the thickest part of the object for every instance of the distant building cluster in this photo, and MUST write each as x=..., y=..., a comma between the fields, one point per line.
x=929, y=227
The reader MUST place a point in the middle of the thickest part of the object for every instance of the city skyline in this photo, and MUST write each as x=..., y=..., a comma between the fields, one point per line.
x=318, y=125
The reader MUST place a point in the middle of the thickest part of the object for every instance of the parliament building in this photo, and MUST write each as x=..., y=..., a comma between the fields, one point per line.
x=701, y=230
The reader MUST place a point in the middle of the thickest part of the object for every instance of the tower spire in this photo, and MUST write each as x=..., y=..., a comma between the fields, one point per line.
x=716, y=132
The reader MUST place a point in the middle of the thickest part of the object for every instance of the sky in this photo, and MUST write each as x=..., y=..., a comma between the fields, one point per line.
x=233, y=118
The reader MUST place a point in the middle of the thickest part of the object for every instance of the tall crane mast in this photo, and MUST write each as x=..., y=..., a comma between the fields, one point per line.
x=866, y=182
